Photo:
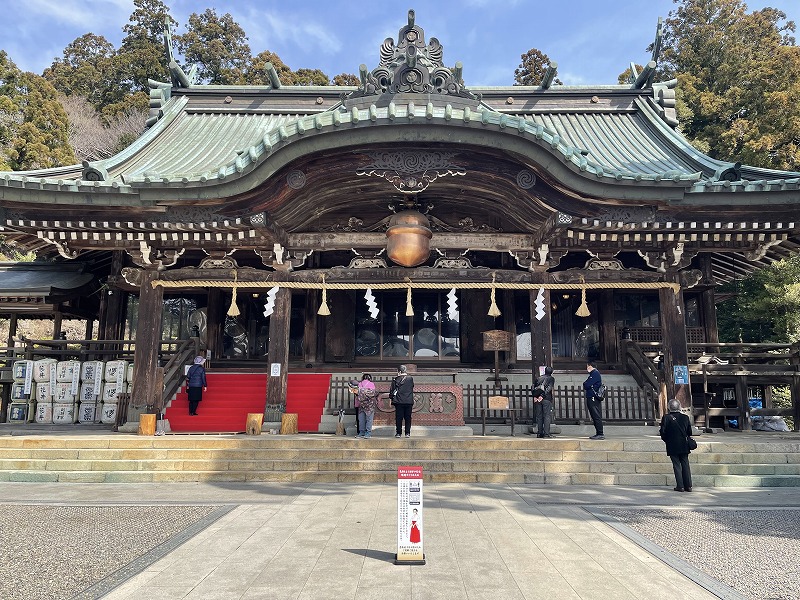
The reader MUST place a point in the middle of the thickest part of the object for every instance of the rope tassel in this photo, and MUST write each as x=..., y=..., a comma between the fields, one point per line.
x=583, y=309
x=233, y=310
x=409, y=306
x=323, y=308
x=494, y=311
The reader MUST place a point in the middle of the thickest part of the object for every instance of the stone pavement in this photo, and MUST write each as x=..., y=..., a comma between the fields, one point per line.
x=326, y=541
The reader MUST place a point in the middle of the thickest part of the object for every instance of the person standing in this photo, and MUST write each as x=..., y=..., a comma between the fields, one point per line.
x=593, y=402
x=196, y=383
x=402, y=396
x=675, y=430
x=543, y=408
x=367, y=401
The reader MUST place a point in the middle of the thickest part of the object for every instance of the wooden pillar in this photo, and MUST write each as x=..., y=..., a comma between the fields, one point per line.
x=57, y=319
x=146, y=384
x=89, y=329
x=673, y=332
x=12, y=329
x=541, y=329
x=608, y=328
x=310, y=334
x=510, y=322
x=708, y=302
x=215, y=318
x=278, y=367
x=112, y=304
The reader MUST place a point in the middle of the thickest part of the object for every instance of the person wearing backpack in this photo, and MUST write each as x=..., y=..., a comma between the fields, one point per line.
x=543, y=402
x=196, y=383
x=594, y=400
x=676, y=430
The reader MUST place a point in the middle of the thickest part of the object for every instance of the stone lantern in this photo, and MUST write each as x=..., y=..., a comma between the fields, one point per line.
x=408, y=238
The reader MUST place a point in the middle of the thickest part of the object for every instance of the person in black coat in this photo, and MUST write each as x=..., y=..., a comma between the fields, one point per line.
x=402, y=396
x=543, y=403
x=675, y=431
x=593, y=403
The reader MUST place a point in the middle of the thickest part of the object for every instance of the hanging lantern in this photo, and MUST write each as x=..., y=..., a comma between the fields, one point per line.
x=408, y=238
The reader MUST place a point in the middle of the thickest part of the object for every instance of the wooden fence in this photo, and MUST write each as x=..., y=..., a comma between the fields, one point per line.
x=622, y=404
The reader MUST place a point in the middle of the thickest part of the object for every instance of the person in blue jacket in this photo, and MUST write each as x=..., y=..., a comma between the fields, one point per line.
x=196, y=383
x=593, y=403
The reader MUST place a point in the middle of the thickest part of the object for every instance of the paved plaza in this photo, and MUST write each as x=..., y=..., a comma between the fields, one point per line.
x=323, y=541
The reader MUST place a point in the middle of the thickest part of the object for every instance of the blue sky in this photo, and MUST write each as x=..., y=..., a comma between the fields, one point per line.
x=591, y=40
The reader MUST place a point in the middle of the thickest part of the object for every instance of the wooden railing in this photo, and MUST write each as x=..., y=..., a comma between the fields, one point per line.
x=641, y=366
x=173, y=354
x=623, y=404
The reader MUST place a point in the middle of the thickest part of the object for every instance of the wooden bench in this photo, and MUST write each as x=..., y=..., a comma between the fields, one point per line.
x=499, y=404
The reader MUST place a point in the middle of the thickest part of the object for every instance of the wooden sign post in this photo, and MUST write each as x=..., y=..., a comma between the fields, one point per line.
x=497, y=340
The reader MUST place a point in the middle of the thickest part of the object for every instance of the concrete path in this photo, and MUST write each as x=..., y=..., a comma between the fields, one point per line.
x=332, y=541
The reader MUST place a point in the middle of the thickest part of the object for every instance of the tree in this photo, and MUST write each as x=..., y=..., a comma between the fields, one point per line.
x=739, y=90
x=142, y=55
x=255, y=72
x=217, y=45
x=33, y=124
x=532, y=68
x=765, y=305
x=93, y=137
x=87, y=69
x=346, y=79
x=310, y=77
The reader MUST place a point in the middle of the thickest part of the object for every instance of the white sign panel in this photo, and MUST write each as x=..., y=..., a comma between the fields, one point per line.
x=409, y=516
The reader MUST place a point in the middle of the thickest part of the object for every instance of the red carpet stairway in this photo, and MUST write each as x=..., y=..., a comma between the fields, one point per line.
x=231, y=396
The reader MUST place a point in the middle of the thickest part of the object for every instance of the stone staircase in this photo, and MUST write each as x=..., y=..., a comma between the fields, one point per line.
x=736, y=460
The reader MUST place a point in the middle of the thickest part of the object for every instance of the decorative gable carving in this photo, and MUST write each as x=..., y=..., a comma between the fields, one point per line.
x=411, y=66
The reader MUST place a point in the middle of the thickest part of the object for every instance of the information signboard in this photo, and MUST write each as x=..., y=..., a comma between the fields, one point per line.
x=409, y=517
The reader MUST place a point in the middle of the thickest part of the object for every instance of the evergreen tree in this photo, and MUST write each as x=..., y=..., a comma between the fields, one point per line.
x=346, y=79
x=142, y=55
x=33, y=124
x=739, y=81
x=87, y=69
x=218, y=46
x=532, y=68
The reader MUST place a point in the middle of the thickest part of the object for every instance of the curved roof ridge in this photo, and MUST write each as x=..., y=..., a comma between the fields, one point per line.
x=708, y=165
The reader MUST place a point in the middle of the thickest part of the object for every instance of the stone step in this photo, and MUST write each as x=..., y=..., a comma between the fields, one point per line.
x=635, y=461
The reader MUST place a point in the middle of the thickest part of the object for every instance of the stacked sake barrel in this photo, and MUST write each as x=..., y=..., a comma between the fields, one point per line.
x=90, y=389
x=23, y=392
x=44, y=375
x=65, y=392
x=115, y=382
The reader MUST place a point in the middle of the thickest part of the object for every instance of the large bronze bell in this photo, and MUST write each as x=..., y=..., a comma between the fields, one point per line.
x=408, y=238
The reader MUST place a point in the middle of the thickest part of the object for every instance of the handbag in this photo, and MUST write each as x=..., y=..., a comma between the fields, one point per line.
x=600, y=392
x=692, y=442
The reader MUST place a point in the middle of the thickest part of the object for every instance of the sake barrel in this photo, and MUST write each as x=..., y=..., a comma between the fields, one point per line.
x=87, y=412
x=67, y=370
x=115, y=370
x=64, y=414
x=62, y=393
x=92, y=370
x=44, y=392
x=18, y=392
x=108, y=413
x=21, y=369
x=42, y=368
x=86, y=392
x=111, y=391
x=44, y=412
x=18, y=412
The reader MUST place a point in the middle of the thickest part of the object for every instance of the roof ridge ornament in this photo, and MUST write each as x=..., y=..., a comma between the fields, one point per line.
x=180, y=79
x=411, y=66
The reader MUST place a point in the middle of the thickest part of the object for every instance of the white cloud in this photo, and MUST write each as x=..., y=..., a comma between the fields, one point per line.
x=87, y=14
x=264, y=28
